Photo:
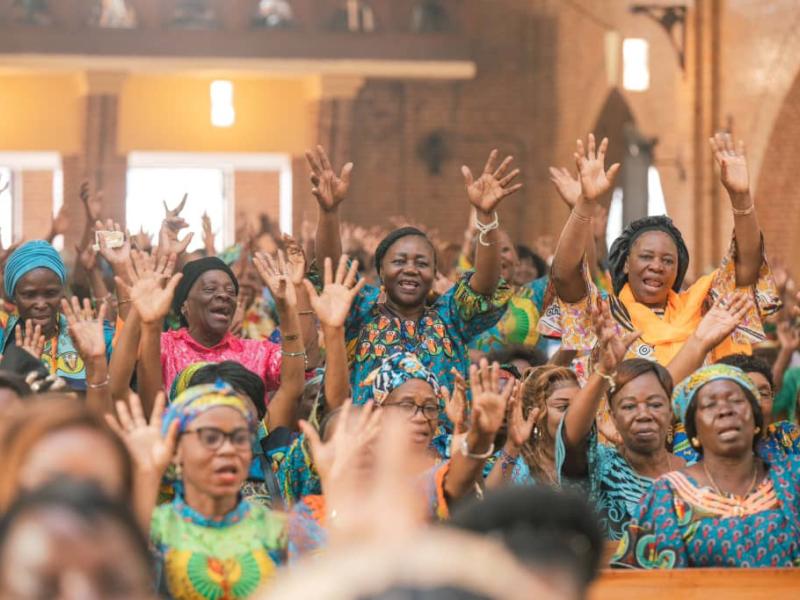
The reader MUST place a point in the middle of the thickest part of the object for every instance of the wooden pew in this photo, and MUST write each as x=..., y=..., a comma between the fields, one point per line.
x=696, y=584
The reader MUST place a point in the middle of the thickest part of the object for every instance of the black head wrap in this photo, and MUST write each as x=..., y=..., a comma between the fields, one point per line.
x=621, y=248
x=391, y=238
x=192, y=272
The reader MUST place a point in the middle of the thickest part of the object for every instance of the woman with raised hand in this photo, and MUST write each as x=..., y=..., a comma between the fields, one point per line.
x=406, y=395
x=400, y=319
x=648, y=263
x=208, y=542
x=730, y=509
x=34, y=279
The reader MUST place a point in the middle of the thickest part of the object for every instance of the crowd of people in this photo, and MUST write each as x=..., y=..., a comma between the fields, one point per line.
x=374, y=413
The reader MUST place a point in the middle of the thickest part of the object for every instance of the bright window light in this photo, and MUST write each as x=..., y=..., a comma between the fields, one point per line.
x=222, y=111
x=656, y=205
x=635, y=65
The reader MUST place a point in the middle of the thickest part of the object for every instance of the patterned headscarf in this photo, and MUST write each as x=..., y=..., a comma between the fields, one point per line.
x=181, y=383
x=199, y=399
x=36, y=254
x=686, y=390
x=394, y=371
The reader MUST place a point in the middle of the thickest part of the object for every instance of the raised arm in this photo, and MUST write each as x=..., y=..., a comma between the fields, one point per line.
x=485, y=195
x=595, y=181
x=488, y=413
x=332, y=307
x=283, y=405
x=87, y=259
x=716, y=325
x=330, y=190
x=296, y=261
x=734, y=176
x=87, y=333
x=119, y=259
x=789, y=339
x=150, y=450
x=171, y=226
x=520, y=428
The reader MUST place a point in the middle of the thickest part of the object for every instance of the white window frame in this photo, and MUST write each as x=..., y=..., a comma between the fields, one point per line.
x=229, y=163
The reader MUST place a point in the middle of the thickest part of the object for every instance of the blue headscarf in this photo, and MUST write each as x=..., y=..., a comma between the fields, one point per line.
x=394, y=371
x=196, y=400
x=36, y=254
x=687, y=389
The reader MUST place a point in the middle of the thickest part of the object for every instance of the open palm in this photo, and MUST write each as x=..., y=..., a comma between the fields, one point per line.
x=333, y=305
x=732, y=162
x=595, y=180
x=85, y=329
x=486, y=192
x=329, y=188
x=274, y=273
x=150, y=297
x=488, y=400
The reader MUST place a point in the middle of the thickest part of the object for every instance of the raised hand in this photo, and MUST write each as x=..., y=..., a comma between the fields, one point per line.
x=168, y=242
x=142, y=241
x=455, y=402
x=150, y=450
x=333, y=304
x=118, y=258
x=60, y=223
x=595, y=180
x=520, y=427
x=86, y=329
x=208, y=235
x=31, y=339
x=275, y=275
x=295, y=259
x=612, y=344
x=486, y=192
x=329, y=188
x=150, y=297
x=92, y=203
x=567, y=186
x=788, y=336
x=732, y=163
x=87, y=257
x=488, y=401
x=723, y=317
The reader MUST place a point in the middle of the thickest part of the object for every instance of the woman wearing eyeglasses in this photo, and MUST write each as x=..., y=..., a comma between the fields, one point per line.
x=208, y=542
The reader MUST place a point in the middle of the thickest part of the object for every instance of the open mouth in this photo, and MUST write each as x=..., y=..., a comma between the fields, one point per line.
x=227, y=473
x=408, y=285
x=221, y=312
x=653, y=284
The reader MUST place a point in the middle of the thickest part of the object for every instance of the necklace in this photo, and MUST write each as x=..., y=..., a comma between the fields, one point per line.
x=732, y=495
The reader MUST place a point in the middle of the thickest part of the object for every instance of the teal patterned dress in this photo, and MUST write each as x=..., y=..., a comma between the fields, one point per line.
x=208, y=559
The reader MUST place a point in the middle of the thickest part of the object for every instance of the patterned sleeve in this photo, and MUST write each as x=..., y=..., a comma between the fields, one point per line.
x=291, y=463
x=306, y=527
x=272, y=367
x=108, y=335
x=653, y=539
x=433, y=485
x=471, y=313
x=362, y=305
x=767, y=298
x=570, y=321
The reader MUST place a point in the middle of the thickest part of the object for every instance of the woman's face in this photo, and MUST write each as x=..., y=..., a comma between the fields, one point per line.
x=407, y=271
x=724, y=419
x=211, y=303
x=525, y=272
x=214, y=465
x=416, y=403
x=652, y=267
x=509, y=260
x=642, y=414
x=51, y=553
x=557, y=402
x=37, y=297
x=76, y=452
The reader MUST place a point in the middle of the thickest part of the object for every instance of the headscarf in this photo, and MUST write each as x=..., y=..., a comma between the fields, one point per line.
x=199, y=399
x=391, y=238
x=181, y=382
x=686, y=391
x=621, y=248
x=192, y=271
x=36, y=254
x=394, y=371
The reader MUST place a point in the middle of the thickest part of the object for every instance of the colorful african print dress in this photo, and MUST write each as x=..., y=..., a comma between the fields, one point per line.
x=519, y=324
x=203, y=559
x=439, y=339
x=680, y=524
x=60, y=357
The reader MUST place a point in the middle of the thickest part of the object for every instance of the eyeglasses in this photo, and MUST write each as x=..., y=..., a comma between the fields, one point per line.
x=410, y=409
x=213, y=438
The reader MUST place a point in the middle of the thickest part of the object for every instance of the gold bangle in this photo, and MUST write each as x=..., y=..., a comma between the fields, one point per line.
x=609, y=378
x=121, y=302
x=305, y=312
x=580, y=217
x=743, y=212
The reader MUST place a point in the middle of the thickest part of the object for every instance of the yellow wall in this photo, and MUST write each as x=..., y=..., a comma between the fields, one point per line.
x=173, y=113
x=41, y=112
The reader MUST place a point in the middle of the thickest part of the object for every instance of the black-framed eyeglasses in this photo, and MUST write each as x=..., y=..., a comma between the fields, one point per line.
x=410, y=409
x=213, y=438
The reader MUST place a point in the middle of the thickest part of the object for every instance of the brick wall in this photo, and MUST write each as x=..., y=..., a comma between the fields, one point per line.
x=37, y=203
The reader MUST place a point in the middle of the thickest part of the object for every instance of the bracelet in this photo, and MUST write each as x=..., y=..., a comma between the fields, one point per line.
x=580, y=217
x=97, y=386
x=609, y=379
x=304, y=313
x=466, y=452
x=121, y=302
x=290, y=338
x=744, y=211
x=293, y=354
x=484, y=228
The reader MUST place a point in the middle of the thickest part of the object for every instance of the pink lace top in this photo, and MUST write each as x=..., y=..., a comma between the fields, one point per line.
x=179, y=350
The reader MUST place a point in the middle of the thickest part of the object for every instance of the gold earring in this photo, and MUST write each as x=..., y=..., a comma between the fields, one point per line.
x=695, y=442
x=757, y=430
x=670, y=436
